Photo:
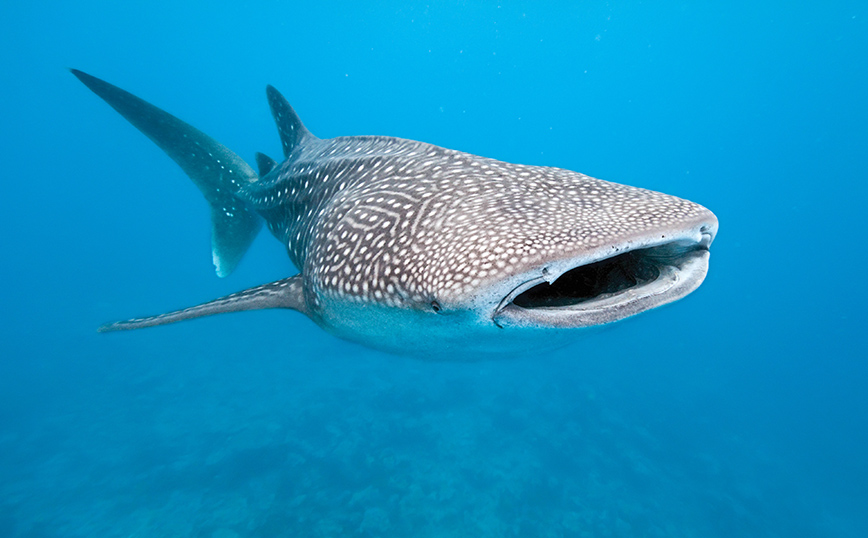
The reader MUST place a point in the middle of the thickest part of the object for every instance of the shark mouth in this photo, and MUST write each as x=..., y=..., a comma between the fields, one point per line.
x=601, y=290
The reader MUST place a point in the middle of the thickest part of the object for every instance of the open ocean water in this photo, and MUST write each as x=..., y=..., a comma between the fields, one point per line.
x=739, y=411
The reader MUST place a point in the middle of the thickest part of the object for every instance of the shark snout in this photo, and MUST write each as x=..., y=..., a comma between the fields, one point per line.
x=613, y=282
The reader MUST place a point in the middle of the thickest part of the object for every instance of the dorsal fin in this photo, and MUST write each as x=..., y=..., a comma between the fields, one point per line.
x=292, y=132
x=286, y=293
x=265, y=163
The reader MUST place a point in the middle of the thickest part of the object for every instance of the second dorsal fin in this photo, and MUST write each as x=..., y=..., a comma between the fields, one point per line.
x=292, y=131
x=265, y=164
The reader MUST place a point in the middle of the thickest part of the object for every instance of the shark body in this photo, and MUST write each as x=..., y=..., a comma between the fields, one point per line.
x=414, y=248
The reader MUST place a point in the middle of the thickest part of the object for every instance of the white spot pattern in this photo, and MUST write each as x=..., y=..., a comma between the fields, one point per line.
x=398, y=222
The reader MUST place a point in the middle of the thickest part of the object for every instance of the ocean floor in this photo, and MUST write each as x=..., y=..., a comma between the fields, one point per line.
x=356, y=443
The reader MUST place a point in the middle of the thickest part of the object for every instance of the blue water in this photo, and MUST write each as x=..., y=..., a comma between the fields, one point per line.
x=739, y=411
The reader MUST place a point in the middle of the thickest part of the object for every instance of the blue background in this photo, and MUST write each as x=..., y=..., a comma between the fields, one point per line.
x=739, y=411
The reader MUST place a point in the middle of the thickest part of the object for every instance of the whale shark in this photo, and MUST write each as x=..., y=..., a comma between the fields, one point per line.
x=413, y=248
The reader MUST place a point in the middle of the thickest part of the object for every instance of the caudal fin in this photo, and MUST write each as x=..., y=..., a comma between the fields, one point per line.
x=216, y=170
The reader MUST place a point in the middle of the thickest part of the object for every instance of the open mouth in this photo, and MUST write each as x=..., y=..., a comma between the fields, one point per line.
x=593, y=281
x=609, y=289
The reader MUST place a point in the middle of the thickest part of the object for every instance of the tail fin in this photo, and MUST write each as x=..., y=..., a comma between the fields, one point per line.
x=217, y=171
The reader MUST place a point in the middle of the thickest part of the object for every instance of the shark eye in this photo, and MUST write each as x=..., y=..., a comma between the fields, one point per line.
x=435, y=306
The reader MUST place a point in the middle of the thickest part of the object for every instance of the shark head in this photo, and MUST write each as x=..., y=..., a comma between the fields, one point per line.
x=486, y=256
x=413, y=248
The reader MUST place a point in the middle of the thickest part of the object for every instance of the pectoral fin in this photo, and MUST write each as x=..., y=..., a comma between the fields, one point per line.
x=286, y=293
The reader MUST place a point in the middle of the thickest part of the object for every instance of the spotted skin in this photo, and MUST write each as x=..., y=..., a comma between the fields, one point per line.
x=414, y=248
x=402, y=223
